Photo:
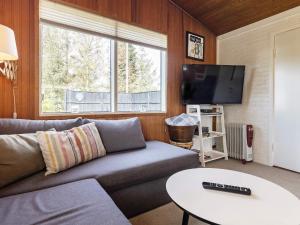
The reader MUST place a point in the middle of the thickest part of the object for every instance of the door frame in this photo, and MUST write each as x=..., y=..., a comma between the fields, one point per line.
x=272, y=88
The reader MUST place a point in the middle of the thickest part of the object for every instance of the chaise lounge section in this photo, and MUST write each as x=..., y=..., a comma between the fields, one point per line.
x=80, y=202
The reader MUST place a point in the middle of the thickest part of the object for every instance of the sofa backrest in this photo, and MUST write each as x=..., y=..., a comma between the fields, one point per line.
x=117, y=135
x=23, y=126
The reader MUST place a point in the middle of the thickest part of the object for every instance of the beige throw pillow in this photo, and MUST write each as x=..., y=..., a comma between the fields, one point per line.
x=65, y=149
x=20, y=156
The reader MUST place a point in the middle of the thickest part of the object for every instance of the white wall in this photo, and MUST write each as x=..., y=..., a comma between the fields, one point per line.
x=252, y=46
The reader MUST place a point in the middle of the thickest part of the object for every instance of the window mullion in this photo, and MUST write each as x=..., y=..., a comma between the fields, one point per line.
x=115, y=59
x=163, y=75
x=112, y=75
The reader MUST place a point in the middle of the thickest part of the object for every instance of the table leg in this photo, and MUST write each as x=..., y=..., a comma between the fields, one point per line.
x=185, y=218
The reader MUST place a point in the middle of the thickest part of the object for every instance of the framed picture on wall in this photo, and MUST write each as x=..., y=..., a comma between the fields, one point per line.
x=194, y=46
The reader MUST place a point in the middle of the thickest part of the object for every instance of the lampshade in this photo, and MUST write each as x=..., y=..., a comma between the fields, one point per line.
x=8, y=48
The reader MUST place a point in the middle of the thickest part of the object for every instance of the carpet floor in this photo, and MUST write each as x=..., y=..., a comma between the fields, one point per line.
x=170, y=214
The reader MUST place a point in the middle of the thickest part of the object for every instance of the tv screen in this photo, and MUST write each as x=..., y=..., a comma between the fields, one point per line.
x=212, y=84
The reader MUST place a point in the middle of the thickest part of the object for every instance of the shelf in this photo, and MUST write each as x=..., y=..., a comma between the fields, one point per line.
x=193, y=114
x=212, y=134
x=207, y=117
x=211, y=114
x=214, y=155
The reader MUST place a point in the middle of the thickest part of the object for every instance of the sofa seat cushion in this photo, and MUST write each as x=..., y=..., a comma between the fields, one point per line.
x=117, y=170
x=157, y=160
x=82, y=202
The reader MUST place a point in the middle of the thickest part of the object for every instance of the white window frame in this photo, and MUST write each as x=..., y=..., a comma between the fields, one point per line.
x=113, y=74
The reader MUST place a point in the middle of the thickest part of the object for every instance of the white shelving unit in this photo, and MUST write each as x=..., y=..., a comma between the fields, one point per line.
x=205, y=144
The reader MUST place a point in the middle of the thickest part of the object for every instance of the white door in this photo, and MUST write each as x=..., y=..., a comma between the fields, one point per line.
x=287, y=100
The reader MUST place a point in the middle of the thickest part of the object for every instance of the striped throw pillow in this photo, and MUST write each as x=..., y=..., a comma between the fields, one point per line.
x=65, y=149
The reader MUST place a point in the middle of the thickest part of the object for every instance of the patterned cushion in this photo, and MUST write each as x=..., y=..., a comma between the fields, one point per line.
x=65, y=149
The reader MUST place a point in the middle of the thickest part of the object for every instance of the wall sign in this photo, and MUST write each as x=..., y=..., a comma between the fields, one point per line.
x=194, y=46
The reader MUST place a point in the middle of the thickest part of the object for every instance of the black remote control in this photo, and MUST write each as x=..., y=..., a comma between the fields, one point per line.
x=226, y=188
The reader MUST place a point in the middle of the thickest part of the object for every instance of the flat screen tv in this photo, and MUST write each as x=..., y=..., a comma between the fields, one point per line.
x=212, y=84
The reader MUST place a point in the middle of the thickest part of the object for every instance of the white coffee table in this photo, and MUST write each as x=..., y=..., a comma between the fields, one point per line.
x=269, y=203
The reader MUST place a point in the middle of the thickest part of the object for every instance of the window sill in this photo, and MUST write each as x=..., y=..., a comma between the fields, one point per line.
x=97, y=115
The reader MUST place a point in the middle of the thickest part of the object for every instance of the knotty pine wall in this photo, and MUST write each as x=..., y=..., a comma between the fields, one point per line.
x=161, y=15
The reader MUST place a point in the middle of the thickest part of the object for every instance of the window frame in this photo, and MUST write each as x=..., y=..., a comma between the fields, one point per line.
x=113, y=75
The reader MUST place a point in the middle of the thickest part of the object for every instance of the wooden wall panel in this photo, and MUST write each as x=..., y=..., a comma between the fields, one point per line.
x=21, y=15
x=88, y=4
x=152, y=14
x=194, y=26
x=116, y=9
x=5, y=86
x=16, y=15
x=34, y=63
x=175, y=60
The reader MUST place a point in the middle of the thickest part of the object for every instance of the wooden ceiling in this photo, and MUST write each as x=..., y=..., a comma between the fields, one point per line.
x=222, y=16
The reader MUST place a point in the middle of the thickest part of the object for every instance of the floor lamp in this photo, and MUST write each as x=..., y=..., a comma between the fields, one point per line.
x=8, y=58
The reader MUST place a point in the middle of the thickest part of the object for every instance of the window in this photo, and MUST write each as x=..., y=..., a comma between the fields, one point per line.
x=75, y=71
x=140, y=78
x=93, y=71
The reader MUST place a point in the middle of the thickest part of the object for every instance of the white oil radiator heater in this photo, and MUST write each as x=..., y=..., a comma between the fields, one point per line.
x=239, y=138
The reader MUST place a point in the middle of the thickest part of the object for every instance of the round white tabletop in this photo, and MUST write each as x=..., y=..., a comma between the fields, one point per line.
x=269, y=204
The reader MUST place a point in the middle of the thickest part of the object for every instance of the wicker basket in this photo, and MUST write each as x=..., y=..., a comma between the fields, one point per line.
x=181, y=134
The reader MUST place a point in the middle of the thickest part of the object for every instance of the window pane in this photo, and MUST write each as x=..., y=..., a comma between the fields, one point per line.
x=140, y=77
x=75, y=71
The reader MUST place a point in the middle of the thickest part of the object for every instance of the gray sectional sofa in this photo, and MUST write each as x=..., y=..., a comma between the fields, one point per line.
x=129, y=180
